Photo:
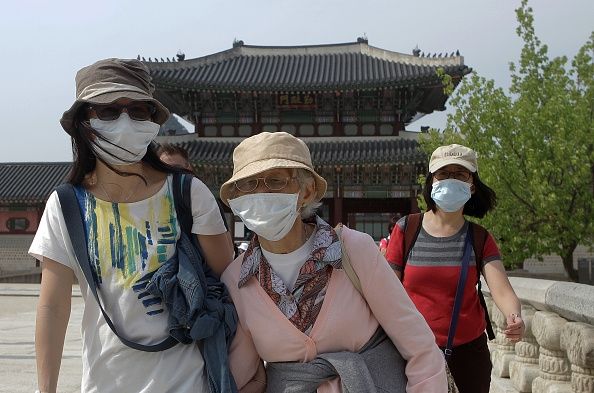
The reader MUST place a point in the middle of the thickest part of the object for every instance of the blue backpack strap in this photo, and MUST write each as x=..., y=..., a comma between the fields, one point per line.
x=74, y=224
x=459, y=292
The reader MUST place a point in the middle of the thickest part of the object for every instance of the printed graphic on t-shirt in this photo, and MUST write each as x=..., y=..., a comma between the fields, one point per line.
x=129, y=241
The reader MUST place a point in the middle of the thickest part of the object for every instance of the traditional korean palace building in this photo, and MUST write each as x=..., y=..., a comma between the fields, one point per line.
x=349, y=102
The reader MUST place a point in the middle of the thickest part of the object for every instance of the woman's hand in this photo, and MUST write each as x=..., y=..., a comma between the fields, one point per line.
x=515, y=328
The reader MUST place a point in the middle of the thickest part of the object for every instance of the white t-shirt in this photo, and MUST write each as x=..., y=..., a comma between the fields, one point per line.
x=129, y=241
x=287, y=266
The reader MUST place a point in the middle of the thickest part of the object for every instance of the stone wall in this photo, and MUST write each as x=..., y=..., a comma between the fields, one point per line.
x=557, y=352
x=552, y=264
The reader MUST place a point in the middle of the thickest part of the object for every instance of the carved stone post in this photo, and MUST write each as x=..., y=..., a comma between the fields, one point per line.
x=554, y=375
x=577, y=339
x=504, y=351
x=523, y=369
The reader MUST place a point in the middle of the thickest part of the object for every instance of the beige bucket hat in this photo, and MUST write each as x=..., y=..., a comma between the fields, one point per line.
x=269, y=150
x=108, y=80
x=453, y=154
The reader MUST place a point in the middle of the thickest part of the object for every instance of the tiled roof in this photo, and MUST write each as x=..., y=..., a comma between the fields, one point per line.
x=30, y=182
x=298, y=68
x=325, y=151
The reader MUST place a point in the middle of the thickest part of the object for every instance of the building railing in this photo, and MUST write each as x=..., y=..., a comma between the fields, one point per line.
x=557, y=351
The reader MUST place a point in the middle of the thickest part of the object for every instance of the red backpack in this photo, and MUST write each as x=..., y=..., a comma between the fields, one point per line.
x=412, y=227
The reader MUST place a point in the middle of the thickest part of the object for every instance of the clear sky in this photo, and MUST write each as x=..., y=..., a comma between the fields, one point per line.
x=44, y=43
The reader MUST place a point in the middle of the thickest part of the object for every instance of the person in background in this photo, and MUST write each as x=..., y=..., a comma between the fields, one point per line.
x=431, y=271
x=177, y=156
x=383, y=244
x=124, y=192
x=296, y=305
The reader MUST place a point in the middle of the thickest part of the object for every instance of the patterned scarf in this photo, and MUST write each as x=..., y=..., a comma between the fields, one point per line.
x=303, y=304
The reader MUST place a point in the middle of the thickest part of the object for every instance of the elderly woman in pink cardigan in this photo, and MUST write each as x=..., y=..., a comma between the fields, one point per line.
x=298, y=309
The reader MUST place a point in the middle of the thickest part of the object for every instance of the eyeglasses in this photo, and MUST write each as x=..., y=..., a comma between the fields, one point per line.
x=272, y=183
x=458, y=175
x=137, y=111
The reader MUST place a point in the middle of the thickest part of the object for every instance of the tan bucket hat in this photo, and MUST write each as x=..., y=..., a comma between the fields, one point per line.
x=269, y=150
x=109, y=80
x=453, y=154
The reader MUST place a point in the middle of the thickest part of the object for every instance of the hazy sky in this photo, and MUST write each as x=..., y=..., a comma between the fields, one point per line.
x=44, y=43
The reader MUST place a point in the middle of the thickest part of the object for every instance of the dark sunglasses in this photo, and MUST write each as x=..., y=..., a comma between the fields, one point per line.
x=136, y=110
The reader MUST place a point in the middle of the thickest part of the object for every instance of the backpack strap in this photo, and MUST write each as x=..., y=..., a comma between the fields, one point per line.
x=479, y=236
x=76, y=231
x=346, y=261
x=182, y=199
x=412, y=227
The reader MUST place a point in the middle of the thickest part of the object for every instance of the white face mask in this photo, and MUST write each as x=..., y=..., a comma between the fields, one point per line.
x=270, y=215
x=126, y=139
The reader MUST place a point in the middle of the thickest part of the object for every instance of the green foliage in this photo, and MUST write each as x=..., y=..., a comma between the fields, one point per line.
x=536, y=148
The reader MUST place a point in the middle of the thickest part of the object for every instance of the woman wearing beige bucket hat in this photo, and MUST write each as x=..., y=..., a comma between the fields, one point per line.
x=130, y=229
x=299, y=311
x=436, y=255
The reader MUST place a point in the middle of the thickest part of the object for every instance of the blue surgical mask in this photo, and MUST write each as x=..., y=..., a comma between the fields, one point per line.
x=450, y=195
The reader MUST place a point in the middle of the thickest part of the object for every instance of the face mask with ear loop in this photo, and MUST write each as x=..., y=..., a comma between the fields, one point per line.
x=269, y=215
x=122, y=141
x=450, y=195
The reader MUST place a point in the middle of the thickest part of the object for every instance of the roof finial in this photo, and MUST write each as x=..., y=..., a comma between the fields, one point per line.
x=363, y=39
x=138, y=57
x=416, y=51
x=237, y=43
x=181, y=56
x=457, y=52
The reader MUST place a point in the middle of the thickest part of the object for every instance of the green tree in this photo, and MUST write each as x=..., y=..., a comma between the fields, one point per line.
x=536, y=148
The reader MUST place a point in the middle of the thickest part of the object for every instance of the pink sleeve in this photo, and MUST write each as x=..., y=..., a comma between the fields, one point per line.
x=398, y=316
x=243, y=357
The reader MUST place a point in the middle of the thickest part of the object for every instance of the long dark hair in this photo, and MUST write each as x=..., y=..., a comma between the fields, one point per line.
x=480, y=203
x=85, y=159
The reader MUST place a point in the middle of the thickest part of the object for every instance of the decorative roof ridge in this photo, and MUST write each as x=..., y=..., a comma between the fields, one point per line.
x=360, y=47
x=312, y=139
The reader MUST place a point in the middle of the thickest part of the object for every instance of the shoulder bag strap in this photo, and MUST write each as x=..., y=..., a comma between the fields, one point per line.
x=480, y=238
x=459, y=293
x=412, y=227
x=182, y=199
x=346, y=261
x=76, y=231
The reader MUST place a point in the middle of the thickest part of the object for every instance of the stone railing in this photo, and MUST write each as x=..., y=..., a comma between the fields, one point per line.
x=557, y=352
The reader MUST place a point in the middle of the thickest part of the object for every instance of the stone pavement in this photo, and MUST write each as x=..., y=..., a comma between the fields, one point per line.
x=18, y=372
x=17, y=341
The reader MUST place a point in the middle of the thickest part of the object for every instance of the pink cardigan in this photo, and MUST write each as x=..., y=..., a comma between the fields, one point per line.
x=345, y=322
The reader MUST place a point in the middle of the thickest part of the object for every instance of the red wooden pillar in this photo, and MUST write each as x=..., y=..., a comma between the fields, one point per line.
x=337, y=213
